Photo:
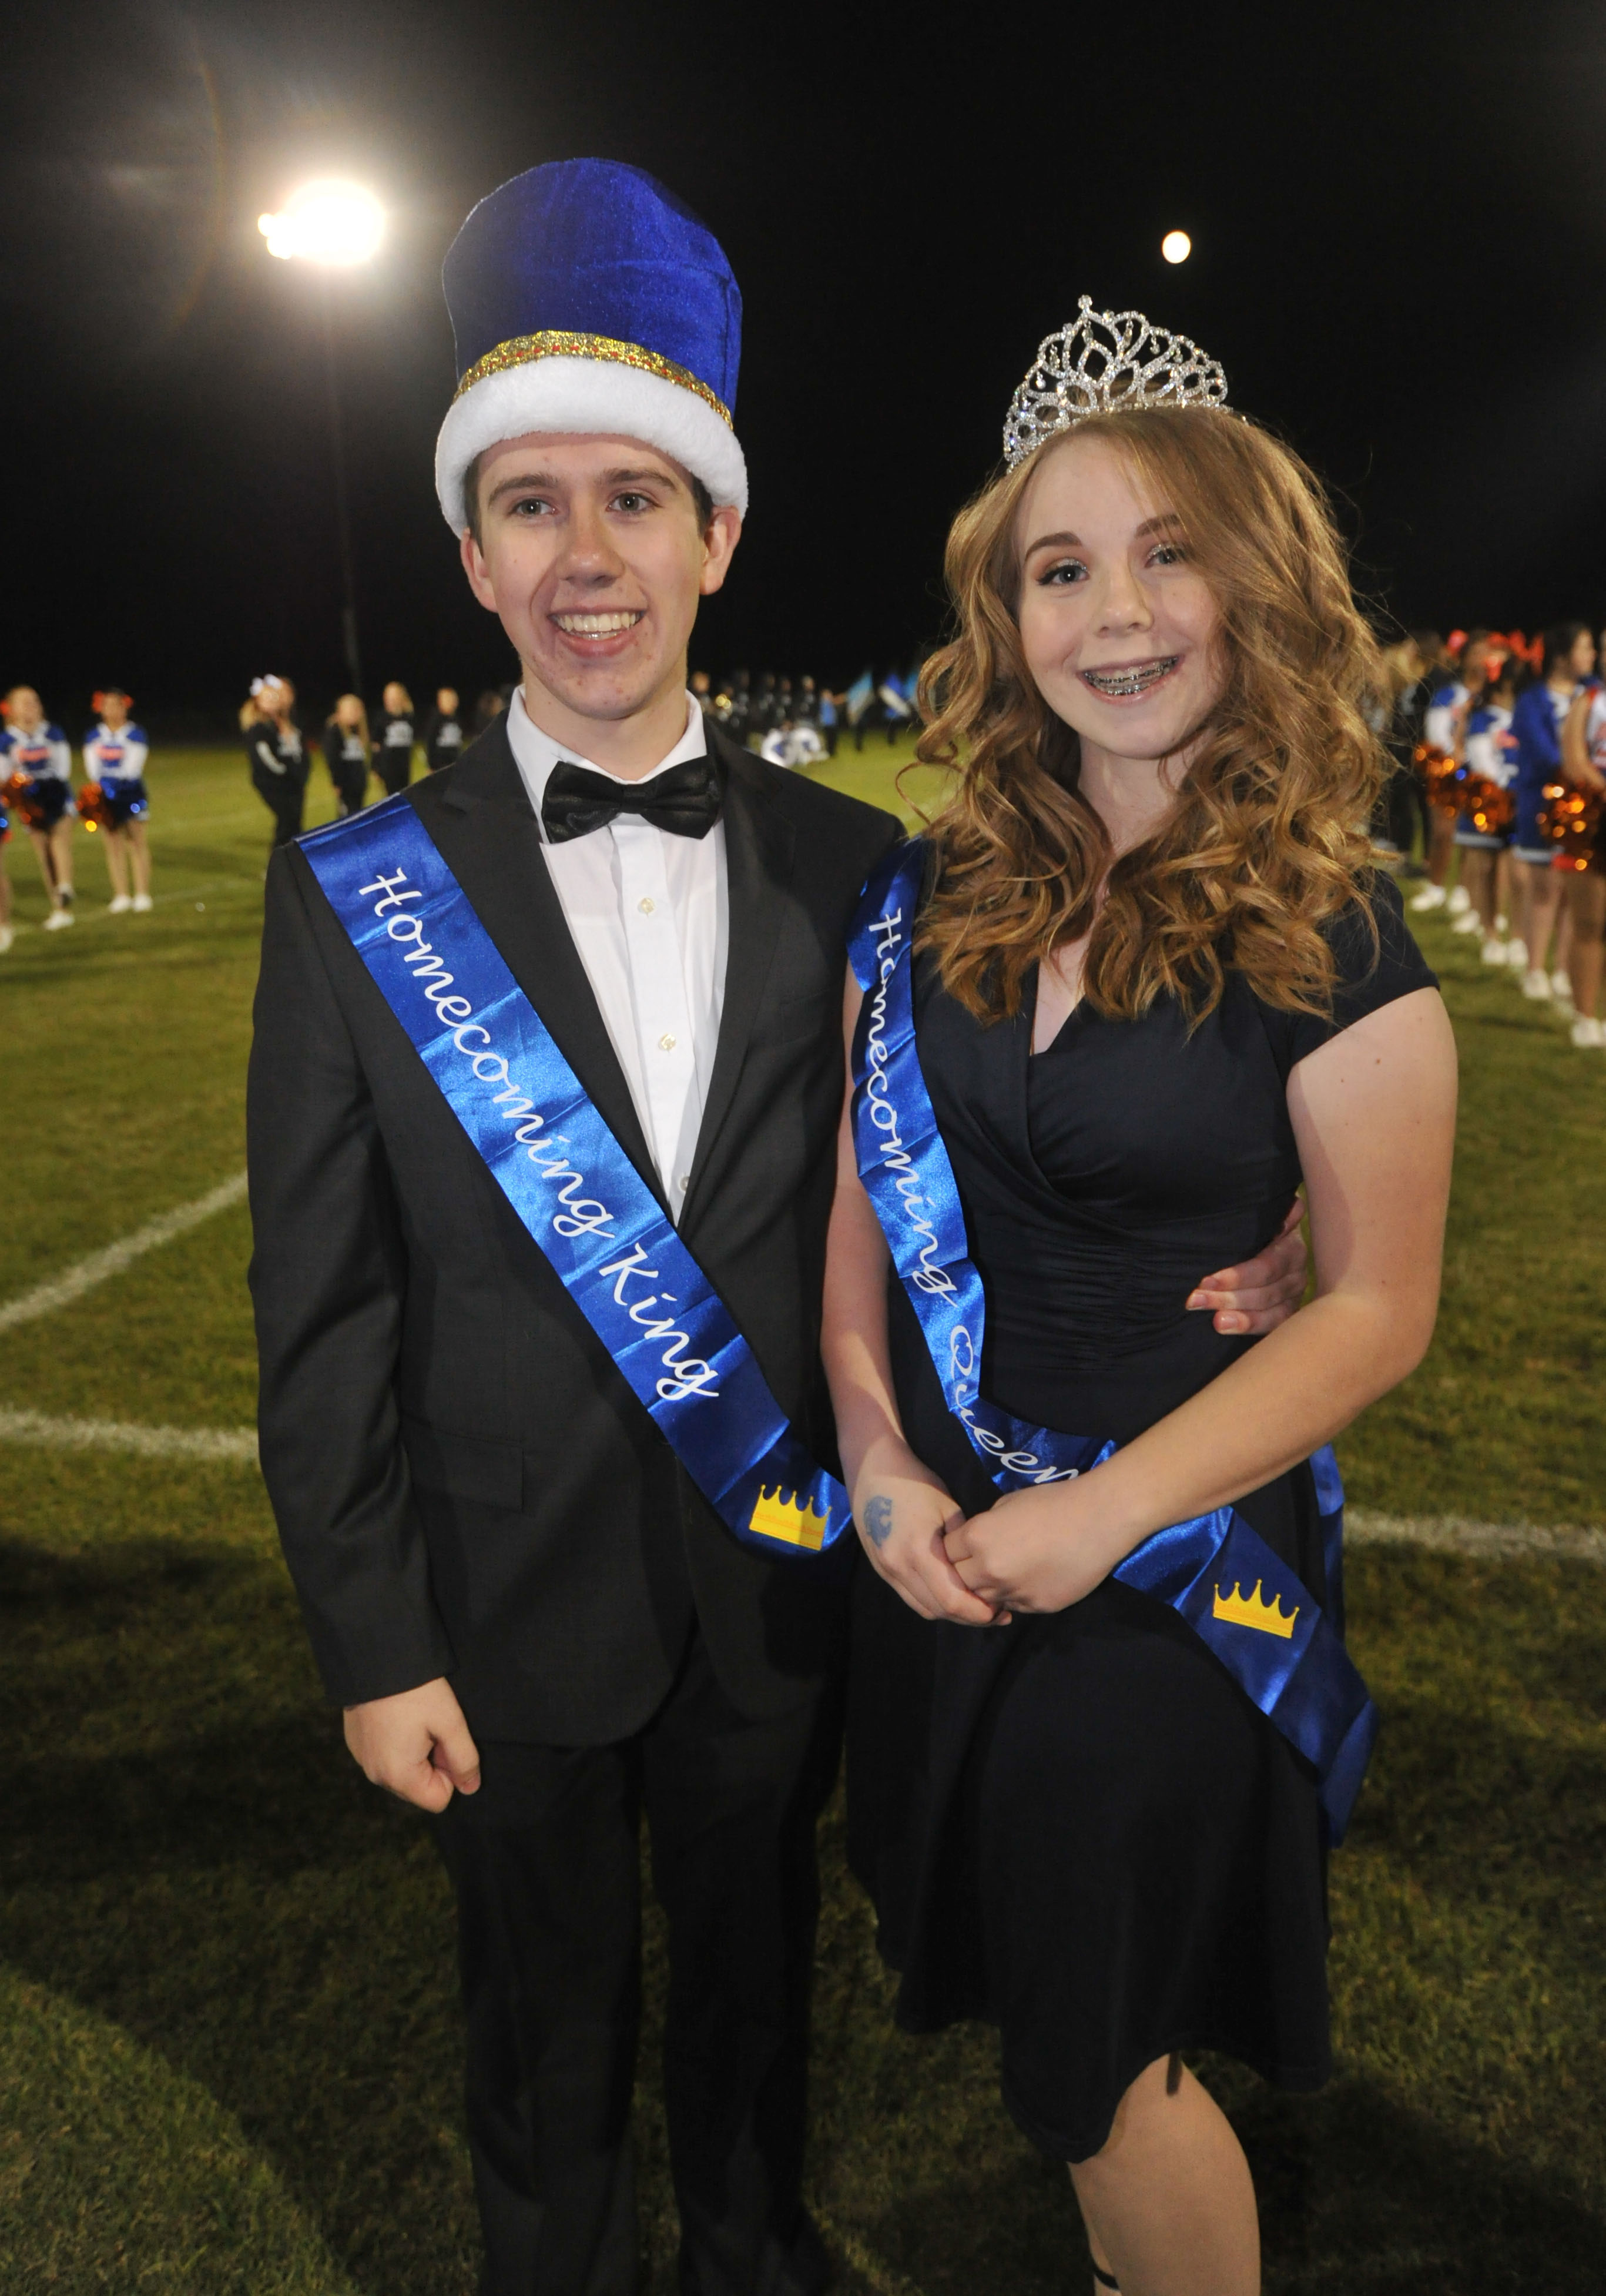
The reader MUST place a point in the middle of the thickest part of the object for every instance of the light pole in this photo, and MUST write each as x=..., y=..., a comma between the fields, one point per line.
x=333, y=227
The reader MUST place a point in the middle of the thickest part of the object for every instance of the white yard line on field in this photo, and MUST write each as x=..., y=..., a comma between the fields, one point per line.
x=206, y=1443
x=1455, y=1534
x=71, y=1285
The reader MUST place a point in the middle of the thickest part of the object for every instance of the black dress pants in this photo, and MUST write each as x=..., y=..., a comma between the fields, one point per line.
x=545, y=1861
x=286, y=798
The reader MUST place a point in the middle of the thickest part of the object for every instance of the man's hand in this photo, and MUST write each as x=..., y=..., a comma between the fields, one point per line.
x=416, y=1745
x=1265, y=1291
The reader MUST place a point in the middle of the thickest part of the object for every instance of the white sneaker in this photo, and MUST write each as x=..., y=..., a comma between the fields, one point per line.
x=1537, y=984
x=1560, y=982
x=1589, y=1035
x=141, y=903
x=1494, y=951
x=1503, y=926
x=121, y=905
x=1431, y=897
x=7, y=935
x=1460, y=899
x=1516, y=955
x=1468, y=921
x=57, y=919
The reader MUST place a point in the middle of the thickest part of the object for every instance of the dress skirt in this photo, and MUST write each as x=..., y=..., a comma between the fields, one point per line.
x=1079, y=1828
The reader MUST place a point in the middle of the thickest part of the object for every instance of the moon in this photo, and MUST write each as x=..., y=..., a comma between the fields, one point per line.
x=1176, y=247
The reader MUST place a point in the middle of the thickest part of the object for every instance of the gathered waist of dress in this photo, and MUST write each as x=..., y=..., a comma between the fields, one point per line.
x=1088, y=1330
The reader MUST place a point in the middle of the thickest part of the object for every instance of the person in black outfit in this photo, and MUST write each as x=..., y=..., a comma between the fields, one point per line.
x=277, y=757
x=1072, y=1819
x=1404, y=800
x=347, y=752
x=394, y=736
x=540, y=1628
x=488, y=710
x=443, y=731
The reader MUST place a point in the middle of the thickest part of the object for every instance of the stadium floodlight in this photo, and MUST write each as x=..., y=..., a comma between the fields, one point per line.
x=333, y=223
x=333, y=227
x=1175, y=247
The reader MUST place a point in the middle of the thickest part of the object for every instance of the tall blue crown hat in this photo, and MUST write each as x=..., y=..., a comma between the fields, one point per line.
x=585, y=297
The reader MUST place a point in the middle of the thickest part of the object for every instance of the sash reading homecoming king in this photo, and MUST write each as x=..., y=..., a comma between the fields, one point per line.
x=577, y=1192
x=1215, y=1571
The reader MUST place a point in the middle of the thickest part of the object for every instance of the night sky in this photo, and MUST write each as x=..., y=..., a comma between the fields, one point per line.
x=1398, y=216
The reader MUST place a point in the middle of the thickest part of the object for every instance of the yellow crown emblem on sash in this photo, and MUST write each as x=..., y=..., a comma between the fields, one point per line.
x=1241, y=1609
x=779, y=1517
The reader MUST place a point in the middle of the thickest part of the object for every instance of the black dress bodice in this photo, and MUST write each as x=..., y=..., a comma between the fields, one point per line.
x=1103, y=1177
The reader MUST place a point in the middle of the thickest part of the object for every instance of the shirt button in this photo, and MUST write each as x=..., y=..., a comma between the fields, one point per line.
x=685, y=1182
x=646, y=905
x=666, y=1043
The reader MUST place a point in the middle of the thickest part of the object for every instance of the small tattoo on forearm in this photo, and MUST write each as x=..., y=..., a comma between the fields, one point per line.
x=878, y=1519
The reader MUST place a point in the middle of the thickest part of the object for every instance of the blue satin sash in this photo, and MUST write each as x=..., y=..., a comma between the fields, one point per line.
x=579, y=1197
x=1256, y=1615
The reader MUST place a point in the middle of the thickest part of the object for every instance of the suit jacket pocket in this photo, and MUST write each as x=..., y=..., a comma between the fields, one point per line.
x=464, y=1466
x=795, y=1019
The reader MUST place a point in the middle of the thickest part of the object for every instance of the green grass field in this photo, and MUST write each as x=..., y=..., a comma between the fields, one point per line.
x=228, y=2038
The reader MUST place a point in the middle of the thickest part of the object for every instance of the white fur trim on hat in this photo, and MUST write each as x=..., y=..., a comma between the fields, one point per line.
x=585, y=395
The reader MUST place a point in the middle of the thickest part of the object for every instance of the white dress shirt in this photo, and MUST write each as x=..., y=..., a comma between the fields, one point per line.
x=650, y=915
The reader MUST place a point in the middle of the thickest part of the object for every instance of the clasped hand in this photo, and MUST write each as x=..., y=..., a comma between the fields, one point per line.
x=1027, y=1553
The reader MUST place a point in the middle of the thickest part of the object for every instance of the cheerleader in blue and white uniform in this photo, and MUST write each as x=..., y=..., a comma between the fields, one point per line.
x=1489, y=749
x=115, y=756
x=7, y=934
x=1442, y=724
x=1538, y=721
x=40, y=751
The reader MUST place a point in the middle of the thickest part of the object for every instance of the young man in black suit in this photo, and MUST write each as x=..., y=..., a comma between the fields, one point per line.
x=538, y=1626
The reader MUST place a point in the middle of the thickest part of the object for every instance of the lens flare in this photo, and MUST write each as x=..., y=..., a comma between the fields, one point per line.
x=328, y=223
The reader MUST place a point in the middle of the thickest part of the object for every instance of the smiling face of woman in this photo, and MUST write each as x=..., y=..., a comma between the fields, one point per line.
x=1120, y=633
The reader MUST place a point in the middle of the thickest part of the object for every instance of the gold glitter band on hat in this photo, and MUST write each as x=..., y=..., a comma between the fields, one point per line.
x=558, y=342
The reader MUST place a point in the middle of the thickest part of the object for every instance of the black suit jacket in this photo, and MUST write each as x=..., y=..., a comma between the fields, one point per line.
x=463, y=1483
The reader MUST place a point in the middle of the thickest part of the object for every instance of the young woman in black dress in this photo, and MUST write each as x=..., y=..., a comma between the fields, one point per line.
x=1157, y=985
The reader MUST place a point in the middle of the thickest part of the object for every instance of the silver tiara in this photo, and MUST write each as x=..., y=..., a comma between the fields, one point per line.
x=1106, y=359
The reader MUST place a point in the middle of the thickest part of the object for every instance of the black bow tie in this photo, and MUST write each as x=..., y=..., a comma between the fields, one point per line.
x=684, y=800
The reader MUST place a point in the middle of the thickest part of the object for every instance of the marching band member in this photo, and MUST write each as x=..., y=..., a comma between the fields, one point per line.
x=1442, y=727
x=114, y=756
x=346, y=751
x=1487, y=748
x=277, y=757
x=393, y=738
x=41, y=752
x=1537, y=722
x=1584, y=762
x=443, y=730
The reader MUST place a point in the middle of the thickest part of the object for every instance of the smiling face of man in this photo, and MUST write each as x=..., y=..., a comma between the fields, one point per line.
x=593, y=553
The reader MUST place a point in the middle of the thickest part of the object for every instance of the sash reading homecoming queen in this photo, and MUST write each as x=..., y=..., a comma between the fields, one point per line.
x=582, y=1200
x=1215, y=1571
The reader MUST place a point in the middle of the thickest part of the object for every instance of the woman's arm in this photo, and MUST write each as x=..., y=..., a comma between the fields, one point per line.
x=1575, y=761
x=1374, y=1116
x=900, y=1508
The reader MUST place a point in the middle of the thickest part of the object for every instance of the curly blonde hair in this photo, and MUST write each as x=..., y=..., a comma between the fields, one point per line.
x=1268, y=838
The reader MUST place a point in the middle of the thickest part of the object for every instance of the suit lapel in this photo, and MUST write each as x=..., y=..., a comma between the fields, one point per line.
x=758, y=847
x=487, y=831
